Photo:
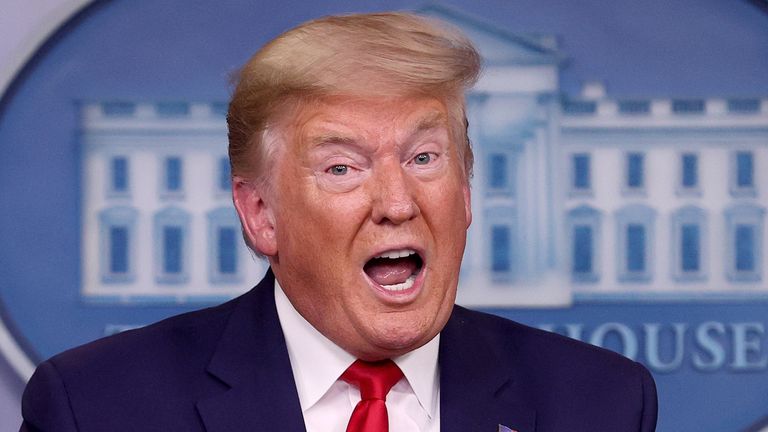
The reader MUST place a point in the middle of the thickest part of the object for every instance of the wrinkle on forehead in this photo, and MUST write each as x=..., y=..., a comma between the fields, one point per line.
x=323, y=128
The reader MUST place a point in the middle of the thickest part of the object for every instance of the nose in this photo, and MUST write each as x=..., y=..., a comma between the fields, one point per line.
x=393, y=196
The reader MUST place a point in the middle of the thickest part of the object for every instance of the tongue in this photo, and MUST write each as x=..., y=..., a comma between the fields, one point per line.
x=385, y=271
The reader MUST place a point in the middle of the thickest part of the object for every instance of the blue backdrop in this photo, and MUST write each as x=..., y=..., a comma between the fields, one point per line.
x=710, y=359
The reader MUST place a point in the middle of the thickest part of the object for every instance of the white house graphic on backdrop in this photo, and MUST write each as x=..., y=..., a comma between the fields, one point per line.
x=158, y=223
x=573, y=197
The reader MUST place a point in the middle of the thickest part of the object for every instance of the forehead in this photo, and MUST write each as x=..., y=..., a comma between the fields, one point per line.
x=357, y=118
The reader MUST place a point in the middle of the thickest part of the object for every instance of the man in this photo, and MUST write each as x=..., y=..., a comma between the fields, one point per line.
x=351, y=169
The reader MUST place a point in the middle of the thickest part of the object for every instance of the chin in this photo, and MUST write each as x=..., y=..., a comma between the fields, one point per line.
x=400, y=339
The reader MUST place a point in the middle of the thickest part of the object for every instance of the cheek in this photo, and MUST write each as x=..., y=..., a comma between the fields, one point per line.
x=449, y=219
x=452, y=205
x=321, y=226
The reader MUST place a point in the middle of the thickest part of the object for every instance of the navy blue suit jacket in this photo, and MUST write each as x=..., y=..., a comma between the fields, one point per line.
x=226, y=368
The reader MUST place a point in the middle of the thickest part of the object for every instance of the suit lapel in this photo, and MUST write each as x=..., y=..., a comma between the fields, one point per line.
x=251, y=360
x=478, y=387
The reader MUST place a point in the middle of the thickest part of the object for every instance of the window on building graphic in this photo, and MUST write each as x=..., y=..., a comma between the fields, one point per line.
x=689, y=171
x=636, y=248
x=173, y=175
x=584, y=229
x=118, y=249
x=744, y=228
x=689, y=227
x=172, y=245
x=223, y=245
x=583, y=249
x=688, y=106
x=744, y=106
x=578, y=107
x=581, y=180
x=744, y=169
x=690, y=248
x=501, y=249
x=743, y=173
x=226, y=246
x=498, y=176
x=635, y=242
x=744, y=247
x=227, y=250
x=224, y=177
x=117, y=244
x=634, y=107
x=119, y=176
x=172, y=109
x=635, y=171
x=118, y=109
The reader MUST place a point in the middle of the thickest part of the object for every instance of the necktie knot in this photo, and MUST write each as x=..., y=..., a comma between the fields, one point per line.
x=374, y=379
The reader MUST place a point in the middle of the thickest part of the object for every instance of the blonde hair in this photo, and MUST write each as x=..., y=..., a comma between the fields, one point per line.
x=380, y=54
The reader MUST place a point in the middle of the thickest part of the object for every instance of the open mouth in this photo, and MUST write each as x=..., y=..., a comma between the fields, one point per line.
x=395, y=270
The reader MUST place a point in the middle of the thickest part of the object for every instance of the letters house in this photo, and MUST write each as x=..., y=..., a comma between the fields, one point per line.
x=574, y=197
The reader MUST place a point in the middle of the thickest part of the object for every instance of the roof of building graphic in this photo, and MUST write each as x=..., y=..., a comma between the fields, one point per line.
x=497, y=45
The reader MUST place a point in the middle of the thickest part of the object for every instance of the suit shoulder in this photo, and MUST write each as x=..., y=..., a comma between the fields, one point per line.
x=152, y=375
x=189, y=334
x=545, y=348
x=569, y=382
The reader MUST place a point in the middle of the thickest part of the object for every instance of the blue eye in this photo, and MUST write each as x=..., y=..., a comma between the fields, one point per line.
x=422, y=158
x=338, y=170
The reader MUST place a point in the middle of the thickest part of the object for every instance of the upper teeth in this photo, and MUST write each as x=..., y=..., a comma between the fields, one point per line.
x=402, y=253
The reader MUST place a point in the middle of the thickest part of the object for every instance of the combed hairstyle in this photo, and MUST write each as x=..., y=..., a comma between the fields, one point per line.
x=361, y=55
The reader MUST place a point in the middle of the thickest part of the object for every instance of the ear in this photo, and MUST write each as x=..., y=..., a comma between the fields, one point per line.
x=256, y=215
x=468, y=204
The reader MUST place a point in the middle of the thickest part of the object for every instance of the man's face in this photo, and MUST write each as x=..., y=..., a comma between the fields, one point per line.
x=370, y=209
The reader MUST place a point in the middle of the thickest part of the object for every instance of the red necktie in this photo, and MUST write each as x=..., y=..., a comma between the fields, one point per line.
x=374, y=381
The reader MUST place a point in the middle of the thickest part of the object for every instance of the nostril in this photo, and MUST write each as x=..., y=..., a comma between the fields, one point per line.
x=395, y=212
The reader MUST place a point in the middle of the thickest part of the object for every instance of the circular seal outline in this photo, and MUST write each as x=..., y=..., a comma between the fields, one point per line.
x=43, y=30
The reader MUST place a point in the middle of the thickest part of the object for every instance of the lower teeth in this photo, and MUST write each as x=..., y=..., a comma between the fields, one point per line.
x=401, y=286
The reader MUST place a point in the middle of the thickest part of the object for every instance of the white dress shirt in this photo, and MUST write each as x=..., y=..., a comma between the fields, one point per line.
x=327, y=402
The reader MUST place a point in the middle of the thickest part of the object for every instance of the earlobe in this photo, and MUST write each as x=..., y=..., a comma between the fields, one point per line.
x=256, y=215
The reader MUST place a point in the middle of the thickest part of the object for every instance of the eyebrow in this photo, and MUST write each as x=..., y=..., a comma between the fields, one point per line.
x=332, y=139
x=426, y=123
x=433, y=120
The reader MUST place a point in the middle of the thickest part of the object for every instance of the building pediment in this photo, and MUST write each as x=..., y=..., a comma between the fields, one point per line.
x=498, y=46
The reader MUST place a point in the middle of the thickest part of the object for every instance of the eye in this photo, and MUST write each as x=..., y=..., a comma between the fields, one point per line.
x=422, y=159
x=338, y=170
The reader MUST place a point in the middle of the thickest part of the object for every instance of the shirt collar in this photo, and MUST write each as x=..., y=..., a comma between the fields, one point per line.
x=420, y=369
x=317, y=362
